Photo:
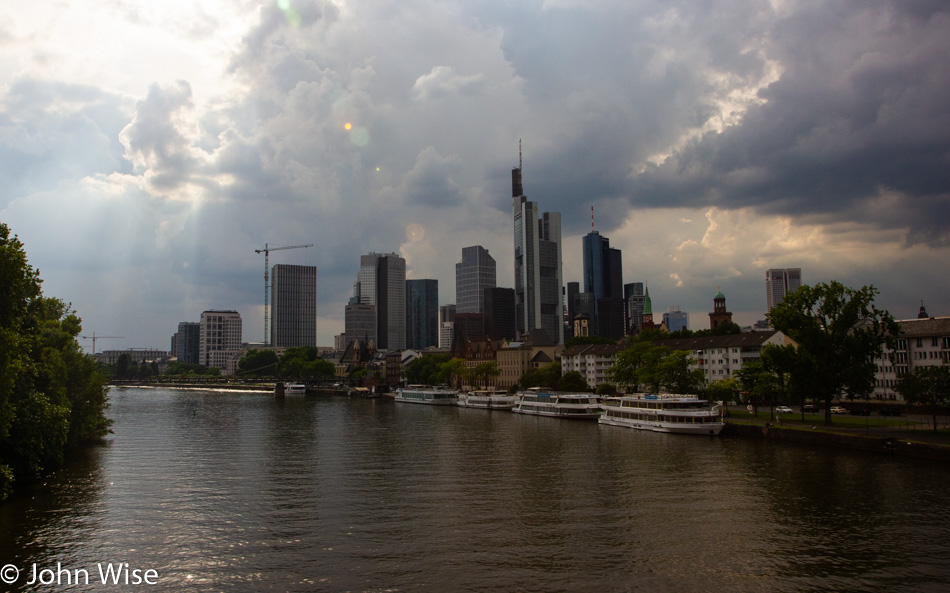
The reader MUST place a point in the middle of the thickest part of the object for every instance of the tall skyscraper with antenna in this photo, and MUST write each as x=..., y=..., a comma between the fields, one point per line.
x=538, y=275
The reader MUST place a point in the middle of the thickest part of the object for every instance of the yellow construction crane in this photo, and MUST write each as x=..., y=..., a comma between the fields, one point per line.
x=266, y=251
x=94, y=337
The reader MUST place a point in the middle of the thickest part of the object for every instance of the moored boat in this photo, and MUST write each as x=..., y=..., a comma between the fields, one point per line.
x=425, y=394
x=490, y=400
x=684, y=414
x=538, y=402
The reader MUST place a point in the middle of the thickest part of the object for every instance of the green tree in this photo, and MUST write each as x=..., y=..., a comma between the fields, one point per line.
x=928, y=385
x=484, y=372
x=676, y=374
x=839, y=333
x=572, y=381
x=304, y=362
x=547, y=376
x=425, y=370
x=725, y=390
x=52, y=395
x=606, y=389
x=258, y=363
x=637, y=365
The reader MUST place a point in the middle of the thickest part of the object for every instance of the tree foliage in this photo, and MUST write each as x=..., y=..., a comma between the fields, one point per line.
x=572, y=381
x=547, y=376
x=305, y=362
x=258, y=363
x=426, y=370
x=645, y=364
x=52, y=395
x=928, y=385
x=839, y=333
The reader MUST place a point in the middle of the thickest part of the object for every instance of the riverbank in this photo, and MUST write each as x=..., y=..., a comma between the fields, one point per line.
x=887, y=440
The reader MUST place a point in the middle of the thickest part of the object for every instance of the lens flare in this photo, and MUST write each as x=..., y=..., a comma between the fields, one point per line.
x=347, y=126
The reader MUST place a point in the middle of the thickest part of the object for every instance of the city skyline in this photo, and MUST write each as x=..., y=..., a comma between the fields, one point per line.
x=715, y=140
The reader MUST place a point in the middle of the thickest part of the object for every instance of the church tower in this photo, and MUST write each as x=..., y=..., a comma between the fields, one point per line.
x=719, y=314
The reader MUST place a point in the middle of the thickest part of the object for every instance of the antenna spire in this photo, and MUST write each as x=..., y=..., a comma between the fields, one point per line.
x=592, y=218
x=519, y=153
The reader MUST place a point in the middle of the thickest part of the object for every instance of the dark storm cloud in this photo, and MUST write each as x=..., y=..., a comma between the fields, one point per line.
x=858, y=117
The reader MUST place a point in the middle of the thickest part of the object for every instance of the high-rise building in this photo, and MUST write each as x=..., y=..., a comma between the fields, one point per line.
x=359, y=324
x=446, y=325
x=219, y=341
x=422, y=314
x=603, y=279
x=538, y=275
x=633, y=307
x=780, y=282
x=293, y=306
x=382, y=282
x=603, y=266
x=500, y=314
x=473, y=275
x=187, y=342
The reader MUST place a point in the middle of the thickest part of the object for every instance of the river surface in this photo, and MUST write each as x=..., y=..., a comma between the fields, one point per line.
x=230, y=492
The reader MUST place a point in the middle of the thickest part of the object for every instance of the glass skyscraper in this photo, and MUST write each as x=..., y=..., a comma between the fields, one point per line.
x=473, y=275
x=293, y=306
x=422, y=313
x=538, y=275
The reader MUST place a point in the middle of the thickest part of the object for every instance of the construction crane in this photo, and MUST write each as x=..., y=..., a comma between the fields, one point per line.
x=266, y=251
x=94, y=337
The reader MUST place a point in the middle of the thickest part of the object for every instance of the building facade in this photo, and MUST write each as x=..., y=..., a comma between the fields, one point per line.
x=538, y=274
x=382, y=282
x=422, y=313
x=633, y=307
x=293, y=306
x=719, y=314
x=780, y=282
x=473, y=275
x=360, y=324
x=603, y=266
x=592, y=361
x=446, y=326
x=220, y=340
x=922, y=342
x=500, y=314
x=187, y=342
x=675, y=320
x=721, y=356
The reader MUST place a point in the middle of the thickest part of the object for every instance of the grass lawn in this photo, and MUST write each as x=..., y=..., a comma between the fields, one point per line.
x=907, y=428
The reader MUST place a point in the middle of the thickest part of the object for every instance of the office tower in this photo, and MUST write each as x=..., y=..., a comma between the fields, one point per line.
x=610, y=318
x=473, y=275
x=446, y=325
x=187, y=342
x=603, y=279
x=220, y=335
x=470, y=327
x=780, y=282
x=675, y=319
x=719, y=315
x=382, y=282
x=602, y=267
x=293, y=306
x=359, y=323
x=633, y=307
x=538, y=276
x=500, y=314
x=584, y=305
x=422, y=313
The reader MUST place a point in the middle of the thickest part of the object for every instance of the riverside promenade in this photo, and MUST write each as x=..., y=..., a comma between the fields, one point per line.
x=909, y=436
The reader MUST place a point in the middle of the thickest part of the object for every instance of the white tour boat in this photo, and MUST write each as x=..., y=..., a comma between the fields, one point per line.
x=581, y=406
x=295, y=389
x=686, y=414
x=424, y=394
x=490, y=400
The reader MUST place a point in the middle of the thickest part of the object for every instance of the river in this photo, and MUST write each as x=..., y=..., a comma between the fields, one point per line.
x=213, y=491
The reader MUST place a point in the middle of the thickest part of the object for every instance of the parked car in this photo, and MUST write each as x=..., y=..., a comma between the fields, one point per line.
x=810, y=409
x=838, y=410
x=784, y=410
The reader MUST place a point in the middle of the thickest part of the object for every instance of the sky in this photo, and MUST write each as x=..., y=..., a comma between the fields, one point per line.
x=147, y=149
